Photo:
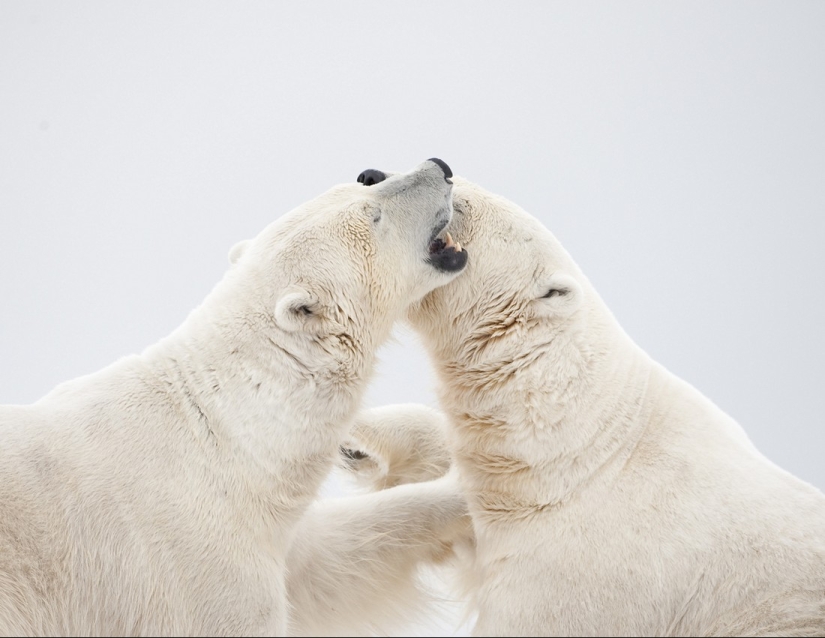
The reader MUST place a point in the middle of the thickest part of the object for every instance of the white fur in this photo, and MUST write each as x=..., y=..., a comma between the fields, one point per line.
x=160, y=495
x=608, y=496
x=399, y=444
x=407, y=443
x=353, y=567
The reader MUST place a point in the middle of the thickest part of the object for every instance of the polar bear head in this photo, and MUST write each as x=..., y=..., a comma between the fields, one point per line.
x=329, y=278
x=521, y=291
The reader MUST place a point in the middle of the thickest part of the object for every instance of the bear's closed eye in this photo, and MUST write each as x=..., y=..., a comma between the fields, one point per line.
x=555, y=292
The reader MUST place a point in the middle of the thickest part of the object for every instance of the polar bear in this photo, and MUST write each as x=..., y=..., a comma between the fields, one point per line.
x=160, y=495
x=608, y=496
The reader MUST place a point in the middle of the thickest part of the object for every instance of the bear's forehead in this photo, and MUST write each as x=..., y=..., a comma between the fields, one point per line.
x=324, y=218
x=331, y=206
x=509, y=247
x=516, y=239
x=484, y=216
x=343, y=240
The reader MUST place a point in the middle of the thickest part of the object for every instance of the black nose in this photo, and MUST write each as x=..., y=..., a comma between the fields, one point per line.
x=443, y=166
x=371, y=176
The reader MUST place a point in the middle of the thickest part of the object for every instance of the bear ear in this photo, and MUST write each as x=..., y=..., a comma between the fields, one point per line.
x=237, y=251
x=560, y=295
x=298, y=311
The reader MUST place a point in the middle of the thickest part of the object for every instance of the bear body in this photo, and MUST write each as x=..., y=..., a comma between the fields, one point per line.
x=161, y=494
x=608, y=496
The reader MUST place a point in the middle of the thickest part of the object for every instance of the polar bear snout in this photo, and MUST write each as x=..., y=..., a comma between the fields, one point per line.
x=427, y=188
x=372, y=176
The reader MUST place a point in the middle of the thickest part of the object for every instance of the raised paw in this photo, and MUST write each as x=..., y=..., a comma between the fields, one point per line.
x=396, y=444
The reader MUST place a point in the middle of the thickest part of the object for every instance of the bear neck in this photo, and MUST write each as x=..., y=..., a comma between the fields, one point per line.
x=529, y=432
x=249, y=402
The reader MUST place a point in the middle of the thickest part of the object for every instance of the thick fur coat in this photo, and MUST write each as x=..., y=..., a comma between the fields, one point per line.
x=608, y=496
x=161, y=495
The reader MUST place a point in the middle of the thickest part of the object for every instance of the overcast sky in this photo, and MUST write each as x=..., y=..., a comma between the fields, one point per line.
x=676, y=149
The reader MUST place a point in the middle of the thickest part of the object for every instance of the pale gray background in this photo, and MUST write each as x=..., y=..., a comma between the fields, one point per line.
x=676, y=149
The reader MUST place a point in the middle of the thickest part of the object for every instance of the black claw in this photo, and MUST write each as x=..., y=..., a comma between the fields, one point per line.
x=352, y=455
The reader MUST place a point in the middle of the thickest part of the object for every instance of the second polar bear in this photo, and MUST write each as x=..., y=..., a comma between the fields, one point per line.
x=608, y=496
x=160, y=495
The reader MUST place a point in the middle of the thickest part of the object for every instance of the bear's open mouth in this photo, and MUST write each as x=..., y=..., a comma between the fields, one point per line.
x=446, y=254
